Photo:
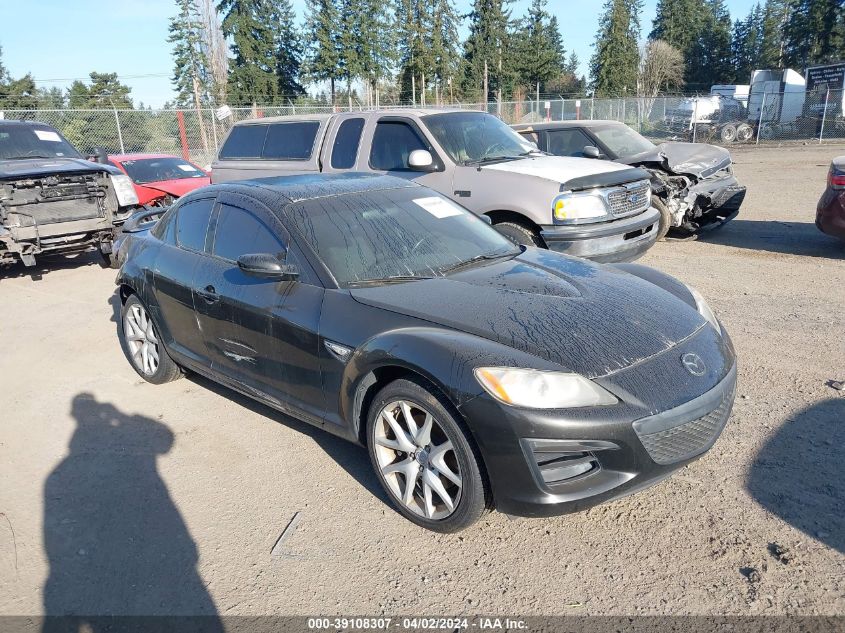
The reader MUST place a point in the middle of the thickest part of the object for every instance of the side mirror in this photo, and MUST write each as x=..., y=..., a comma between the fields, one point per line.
x=101, y=156
x=591, y=151
x=421, y=160
x=267, y=266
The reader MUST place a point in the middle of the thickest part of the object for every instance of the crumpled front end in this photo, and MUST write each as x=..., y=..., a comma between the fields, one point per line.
x=699, y=204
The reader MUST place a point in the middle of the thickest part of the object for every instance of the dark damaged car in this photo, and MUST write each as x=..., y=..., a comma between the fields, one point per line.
x=476, y=372
x=693, y=184
x=53, y=200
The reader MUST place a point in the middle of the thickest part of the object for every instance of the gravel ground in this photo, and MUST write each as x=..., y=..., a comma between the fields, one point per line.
x=122, y=497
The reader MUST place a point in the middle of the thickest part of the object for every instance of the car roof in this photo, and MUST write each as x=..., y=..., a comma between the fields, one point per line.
x=420, y=112
x=140, y=155
x=287, y=189
x=19, y=123
x=555, y=125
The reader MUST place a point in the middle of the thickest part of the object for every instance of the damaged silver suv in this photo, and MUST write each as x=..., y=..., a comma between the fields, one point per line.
x=53, y=200
x=693, y=183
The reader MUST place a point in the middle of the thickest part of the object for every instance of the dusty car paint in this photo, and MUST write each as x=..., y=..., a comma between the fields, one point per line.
x=626, y=326
x=830, y=211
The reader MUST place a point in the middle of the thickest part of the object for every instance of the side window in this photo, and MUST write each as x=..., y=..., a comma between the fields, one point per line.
x=239, y=232
x=345, y=148
x=531, y=136
x=192, y=223
x=568, y=142
x=290, y=141
x=165, y=227
x=244, y=141
x=393, y=142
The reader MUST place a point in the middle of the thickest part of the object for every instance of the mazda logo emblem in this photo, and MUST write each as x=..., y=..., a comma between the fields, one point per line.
x=693, y=364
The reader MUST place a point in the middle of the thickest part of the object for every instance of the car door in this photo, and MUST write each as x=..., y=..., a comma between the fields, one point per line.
x=183, y=245
x=261, y=333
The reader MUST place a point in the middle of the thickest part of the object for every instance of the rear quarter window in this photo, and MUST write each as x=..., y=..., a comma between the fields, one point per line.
x=244, y=141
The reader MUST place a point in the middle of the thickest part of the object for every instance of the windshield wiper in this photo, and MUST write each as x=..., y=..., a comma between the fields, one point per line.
x=476, y=259
x=392, y=279
x=493, y=159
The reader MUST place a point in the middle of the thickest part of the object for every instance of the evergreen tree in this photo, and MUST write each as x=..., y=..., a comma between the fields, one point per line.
x=416, y=59
x=747, y=44
x=487, y=45
x=708, y=58
x=287, y=47
x=190, y=65
x=252, y=72
x=814, y=32
x=537, y=48
x=614, y=65
x=3, y=71
x=678, y=22
x=445, y=43
x=775, y=16
x=323, y=55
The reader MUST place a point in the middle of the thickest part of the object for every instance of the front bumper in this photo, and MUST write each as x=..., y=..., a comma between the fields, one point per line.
x=609, y=242
x=626, y=455
x=830, y=213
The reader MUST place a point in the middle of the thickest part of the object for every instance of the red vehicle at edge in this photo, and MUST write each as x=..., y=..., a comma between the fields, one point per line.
x=160, y=179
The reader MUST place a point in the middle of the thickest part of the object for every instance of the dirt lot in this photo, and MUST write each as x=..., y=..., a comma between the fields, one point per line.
x=121, y=497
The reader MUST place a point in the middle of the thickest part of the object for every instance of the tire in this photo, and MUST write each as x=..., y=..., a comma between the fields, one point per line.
x=144, y=332
x=665, y=218
x=519, y=234
x=727, y=133
x=744, y=133
x=408, y=455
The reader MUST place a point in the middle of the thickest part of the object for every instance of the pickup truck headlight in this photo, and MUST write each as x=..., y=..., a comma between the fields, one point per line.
x=572, y=208
x=124, y=189
x=537, y=389
x=704, y=309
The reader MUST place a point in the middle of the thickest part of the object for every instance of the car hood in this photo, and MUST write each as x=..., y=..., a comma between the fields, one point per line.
x=590, y=319
x=178, y=187
x=693, y=159
x=34, y=167
x=573, y=173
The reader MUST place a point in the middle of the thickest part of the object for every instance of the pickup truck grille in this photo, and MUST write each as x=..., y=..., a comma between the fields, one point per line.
x=629, y=200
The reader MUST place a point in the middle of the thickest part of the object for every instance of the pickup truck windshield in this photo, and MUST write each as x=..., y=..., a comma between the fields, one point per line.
x=395, y=235
x=24, y=141
x=470, y=137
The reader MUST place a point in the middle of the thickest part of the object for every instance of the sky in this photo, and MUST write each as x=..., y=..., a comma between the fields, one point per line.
x=62, y=40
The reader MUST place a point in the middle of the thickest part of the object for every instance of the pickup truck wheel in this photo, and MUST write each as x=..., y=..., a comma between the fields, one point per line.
x=665, y=218
x=519, y=234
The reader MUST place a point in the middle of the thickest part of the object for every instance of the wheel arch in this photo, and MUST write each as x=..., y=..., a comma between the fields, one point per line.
x=505, y=215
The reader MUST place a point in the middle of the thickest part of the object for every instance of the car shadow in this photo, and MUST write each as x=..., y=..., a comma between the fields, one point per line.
x=792, y=238
x=799, y=474
x=114, y=538
x=46, y=264
x=354, y=459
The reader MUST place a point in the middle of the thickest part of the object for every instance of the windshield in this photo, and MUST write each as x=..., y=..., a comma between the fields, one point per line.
x=145, y=170
x=24, y=141
x=475, y=136
x=398, y=233
x=622, y=141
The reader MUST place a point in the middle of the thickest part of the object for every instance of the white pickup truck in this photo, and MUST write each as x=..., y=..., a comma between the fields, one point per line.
x=593, y=209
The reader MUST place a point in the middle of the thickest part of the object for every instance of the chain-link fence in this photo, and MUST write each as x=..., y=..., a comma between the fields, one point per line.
x=196, y=134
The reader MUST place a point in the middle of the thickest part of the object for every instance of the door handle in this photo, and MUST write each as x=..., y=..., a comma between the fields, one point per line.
x=209, y=294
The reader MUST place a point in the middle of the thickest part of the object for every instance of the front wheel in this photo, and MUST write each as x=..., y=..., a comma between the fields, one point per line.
x=519, y=234
x=424, y=459
x=142, y=344
x=665, y=217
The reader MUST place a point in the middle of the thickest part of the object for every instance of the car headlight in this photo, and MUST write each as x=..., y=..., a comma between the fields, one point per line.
x=575, y=207
x=704, y=309
x=538, y=389
x=124, y=189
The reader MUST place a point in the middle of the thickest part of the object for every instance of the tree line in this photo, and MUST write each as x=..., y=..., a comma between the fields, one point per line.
x=706, y=47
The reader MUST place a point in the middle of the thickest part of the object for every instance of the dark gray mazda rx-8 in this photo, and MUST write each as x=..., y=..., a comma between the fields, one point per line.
x=478, y=374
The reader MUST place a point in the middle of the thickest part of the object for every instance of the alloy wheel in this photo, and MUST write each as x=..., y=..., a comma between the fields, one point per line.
x=417, y=460
x=141, y=340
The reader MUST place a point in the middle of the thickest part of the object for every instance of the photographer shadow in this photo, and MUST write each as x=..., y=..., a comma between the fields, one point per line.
x=116, y=542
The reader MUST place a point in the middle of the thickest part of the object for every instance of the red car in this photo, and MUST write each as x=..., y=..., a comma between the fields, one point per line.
x=830, y=213
x=159, y=179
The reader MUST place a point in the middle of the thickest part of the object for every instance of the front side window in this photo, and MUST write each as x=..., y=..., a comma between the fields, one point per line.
x=568, y=142
x=239, y=232
x=345, y=148
x=379, y=235
x=192, y=223
x=393, y=142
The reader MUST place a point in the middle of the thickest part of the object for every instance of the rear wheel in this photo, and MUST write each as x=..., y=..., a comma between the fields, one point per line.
x=424, y=459
x=519, y=234
x=142, y=345
x=744, y=133
x=728, y=133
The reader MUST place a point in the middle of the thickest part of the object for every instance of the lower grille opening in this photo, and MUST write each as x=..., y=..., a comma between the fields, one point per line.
x=637, y=233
